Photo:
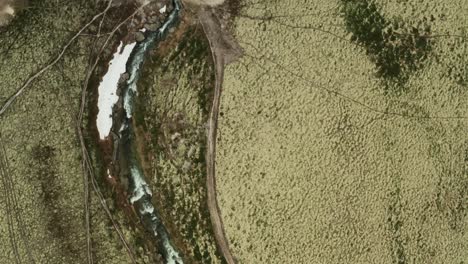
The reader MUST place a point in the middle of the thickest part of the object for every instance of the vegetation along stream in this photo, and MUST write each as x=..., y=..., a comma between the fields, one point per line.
x=130, y=168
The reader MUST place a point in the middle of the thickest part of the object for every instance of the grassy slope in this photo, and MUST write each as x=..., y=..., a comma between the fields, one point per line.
x=308, y=177
x=173, y=106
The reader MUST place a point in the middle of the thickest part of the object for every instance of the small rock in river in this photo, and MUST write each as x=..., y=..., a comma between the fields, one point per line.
x=139, y=36
x=123, y=77
x=152, y=27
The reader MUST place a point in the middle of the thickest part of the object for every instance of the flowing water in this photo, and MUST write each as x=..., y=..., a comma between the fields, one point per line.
x=140, y=190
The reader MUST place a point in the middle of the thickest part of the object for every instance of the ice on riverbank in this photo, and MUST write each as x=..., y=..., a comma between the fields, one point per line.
x=108, y=88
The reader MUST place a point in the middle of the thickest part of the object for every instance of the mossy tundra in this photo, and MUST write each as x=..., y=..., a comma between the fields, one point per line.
x=342, y=136
x=40, y=141
x=318, y=162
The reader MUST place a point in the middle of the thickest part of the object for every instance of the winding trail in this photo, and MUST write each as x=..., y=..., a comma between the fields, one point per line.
x=224, y=50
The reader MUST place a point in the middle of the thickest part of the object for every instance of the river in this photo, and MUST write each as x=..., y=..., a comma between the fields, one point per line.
x=141, y=196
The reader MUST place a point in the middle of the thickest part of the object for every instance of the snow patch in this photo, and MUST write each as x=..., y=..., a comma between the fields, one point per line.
x=108, y=88
x=163, y=9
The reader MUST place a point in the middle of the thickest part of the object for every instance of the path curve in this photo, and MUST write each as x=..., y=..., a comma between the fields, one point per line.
x=224, y=50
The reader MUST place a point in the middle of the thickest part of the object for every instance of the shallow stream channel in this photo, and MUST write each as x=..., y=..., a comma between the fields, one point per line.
x=116, y=109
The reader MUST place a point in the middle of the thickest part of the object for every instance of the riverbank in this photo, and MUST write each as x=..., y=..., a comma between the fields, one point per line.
x=173, y=106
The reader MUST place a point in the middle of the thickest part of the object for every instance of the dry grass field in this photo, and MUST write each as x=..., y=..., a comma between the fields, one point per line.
x=321, y=160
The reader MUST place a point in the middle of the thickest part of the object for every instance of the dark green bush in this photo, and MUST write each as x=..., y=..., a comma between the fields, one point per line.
x=394, y=47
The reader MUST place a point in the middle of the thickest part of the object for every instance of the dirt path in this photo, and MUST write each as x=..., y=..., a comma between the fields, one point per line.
x=224, y=50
